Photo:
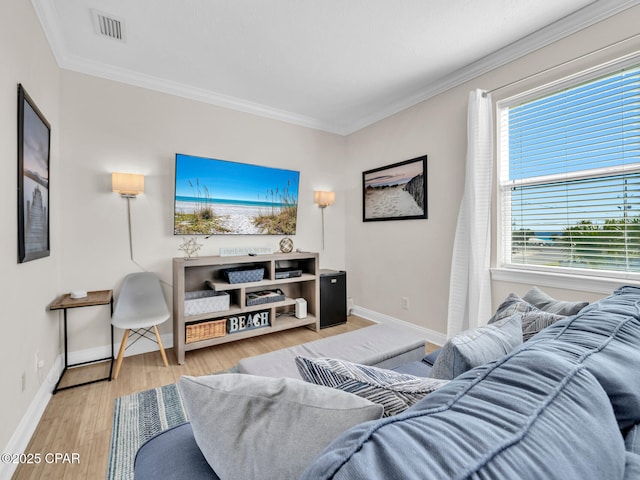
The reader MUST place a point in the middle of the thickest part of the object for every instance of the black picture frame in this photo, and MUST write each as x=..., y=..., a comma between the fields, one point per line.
x=34, y=144
x=395, y=192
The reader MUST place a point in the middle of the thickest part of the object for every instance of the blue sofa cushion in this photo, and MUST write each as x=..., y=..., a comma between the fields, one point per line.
x=431, y=358
x=632, y=439
x=173, y=453
x=605, y=338
x=477, y=346
x=632, y=469
x=417, y=368
x=529, y=416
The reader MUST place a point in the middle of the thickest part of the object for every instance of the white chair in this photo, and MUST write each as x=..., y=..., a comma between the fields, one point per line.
x=140, y=306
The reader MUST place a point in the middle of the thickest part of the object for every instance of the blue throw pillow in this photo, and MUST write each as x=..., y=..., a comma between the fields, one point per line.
x=478, y=346
x=534, y=319
x=605, y=338
x=528, y=416
x=541, y=300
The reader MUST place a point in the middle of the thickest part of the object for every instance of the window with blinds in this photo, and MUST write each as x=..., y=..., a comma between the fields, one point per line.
x=570, y=177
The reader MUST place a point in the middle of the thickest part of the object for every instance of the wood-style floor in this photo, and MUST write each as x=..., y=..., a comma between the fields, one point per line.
x=78, y=421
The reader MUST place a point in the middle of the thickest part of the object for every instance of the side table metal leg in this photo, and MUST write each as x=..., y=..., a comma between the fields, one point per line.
x=66, y=357
x=112, y=356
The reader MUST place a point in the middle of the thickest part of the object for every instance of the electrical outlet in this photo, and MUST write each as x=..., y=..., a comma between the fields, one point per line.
x=405, y=303
x=23, y=381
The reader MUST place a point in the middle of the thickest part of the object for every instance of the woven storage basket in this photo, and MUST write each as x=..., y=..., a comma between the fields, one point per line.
x=205, y=330
x=244, y=274
x=205, y=301
x=265, y=296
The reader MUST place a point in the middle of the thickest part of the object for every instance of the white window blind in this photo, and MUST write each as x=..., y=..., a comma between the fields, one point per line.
x=570, y=177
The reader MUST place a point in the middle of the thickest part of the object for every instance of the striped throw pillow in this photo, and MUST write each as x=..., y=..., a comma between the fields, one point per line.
x=394, y=391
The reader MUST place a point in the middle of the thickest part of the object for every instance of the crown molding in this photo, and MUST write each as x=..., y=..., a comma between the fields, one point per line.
x=595, y=12
x=583, y=18
x=117, y=74
x=46, y=13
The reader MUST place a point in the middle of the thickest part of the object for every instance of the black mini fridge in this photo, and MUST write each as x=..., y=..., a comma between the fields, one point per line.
x=333, y=298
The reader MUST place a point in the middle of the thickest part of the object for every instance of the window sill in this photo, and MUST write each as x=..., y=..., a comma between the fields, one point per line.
x=582, y=283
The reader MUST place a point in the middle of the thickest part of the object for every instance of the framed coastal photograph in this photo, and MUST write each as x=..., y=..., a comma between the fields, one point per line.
x=395, y=192
x=219, y=197
x=34, y=135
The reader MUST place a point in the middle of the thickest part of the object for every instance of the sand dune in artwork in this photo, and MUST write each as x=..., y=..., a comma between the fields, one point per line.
x=390, y=202
x=237, y=218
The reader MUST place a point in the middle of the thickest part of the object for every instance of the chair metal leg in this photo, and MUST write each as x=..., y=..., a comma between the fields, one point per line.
x=164, y=356
x=123, y=346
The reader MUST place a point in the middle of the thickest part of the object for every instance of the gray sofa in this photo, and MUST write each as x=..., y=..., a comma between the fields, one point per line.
x=563, y=405
x=381, y=345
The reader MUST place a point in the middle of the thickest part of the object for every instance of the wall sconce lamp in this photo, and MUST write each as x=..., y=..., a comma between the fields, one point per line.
x=128, y=185
x=323, y=200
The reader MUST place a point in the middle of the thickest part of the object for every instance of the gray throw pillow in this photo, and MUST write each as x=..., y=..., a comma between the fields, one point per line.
x=269, y=428
x=533, y=319
x=478, y=346
x=393, y=390
x=536, y=321
x=510, y=306
x=541, y=300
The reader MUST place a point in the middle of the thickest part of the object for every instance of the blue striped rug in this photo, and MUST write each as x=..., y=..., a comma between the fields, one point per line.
x=138, y=417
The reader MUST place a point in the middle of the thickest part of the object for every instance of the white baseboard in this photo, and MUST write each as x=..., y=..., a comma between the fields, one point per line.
x=20, y=439
x=143, y=345
x=432, y=336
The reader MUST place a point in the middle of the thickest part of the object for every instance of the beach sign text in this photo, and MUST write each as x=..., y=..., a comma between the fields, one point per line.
x=248, y=321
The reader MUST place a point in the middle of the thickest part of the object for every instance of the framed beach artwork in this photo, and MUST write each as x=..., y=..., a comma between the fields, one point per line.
x=395, y=192
x=219, y=197
x=34, y=134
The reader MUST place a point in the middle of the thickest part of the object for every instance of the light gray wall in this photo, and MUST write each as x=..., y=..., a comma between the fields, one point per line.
x=108, y=126
x=408, y=258
x=412, y=258
x=27, y=328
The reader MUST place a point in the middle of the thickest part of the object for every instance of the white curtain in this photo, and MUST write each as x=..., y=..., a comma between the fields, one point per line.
x=470, y=283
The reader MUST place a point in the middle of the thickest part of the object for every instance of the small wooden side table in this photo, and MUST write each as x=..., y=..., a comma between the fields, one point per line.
x=65, y=302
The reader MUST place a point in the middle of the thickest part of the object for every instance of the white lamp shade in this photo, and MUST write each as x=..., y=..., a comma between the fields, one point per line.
x=127, y=183
x=324, y=199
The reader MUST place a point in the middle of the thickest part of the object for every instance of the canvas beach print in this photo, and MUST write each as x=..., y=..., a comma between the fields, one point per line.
x=219, y=197
x=395, y=192
x=34, y=134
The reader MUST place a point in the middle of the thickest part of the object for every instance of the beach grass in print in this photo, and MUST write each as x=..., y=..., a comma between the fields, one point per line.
x=395, y=192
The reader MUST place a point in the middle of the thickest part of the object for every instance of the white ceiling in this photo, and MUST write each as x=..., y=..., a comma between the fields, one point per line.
x=335, y=65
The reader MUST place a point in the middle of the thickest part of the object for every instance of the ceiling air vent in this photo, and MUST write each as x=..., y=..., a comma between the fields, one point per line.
x=108, y=26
